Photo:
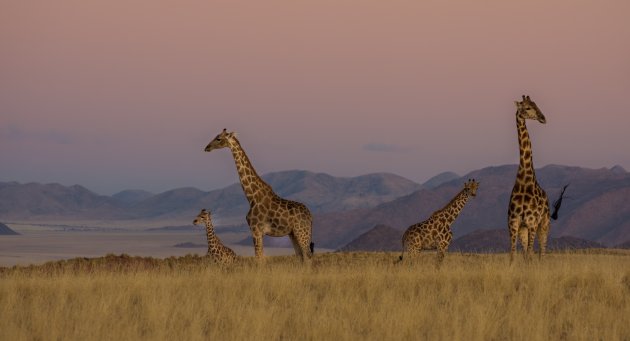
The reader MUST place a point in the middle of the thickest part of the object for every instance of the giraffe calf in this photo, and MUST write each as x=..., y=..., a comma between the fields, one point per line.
x=435, y=232
x=220, y=253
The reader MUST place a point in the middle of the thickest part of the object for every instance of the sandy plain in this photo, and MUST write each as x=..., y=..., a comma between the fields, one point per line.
x=38, y=244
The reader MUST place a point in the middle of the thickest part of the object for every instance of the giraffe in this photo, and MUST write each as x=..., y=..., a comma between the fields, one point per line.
x=528, y=211
x=220, y=253
x=435, y=232
x=269, y=214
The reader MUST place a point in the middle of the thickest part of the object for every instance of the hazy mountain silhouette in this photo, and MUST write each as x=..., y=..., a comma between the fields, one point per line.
x=595, y=206
x=35, y=201
x=379, y=238
x=321, y=192
x=440, y=179
x=132, y=196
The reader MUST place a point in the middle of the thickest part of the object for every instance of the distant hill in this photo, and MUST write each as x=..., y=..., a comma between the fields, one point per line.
x=6, y=231
x=320, y=192
x=132, y=196
x=184, y=203
x=34, y=201
x=379, y=238
x=385, y=238
x=595, y=207
x=440, y=179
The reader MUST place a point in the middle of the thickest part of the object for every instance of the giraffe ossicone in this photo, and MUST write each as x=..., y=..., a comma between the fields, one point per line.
x=269, y=214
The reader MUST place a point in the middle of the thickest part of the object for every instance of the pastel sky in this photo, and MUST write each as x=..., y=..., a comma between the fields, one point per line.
x=116, y=94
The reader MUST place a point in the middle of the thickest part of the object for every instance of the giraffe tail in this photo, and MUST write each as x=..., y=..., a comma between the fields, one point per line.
x=312, y=246
x=400, y=258
x=558, y=203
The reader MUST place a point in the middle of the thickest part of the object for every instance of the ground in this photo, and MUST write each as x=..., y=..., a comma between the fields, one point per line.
x=569, y=296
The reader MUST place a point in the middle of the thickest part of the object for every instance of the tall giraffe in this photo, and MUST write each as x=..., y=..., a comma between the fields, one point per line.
x=435, y=232
x=528, y=212
x=220, y=253
x=268, y=213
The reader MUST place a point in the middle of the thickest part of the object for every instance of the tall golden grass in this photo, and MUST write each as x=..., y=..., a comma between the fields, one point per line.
x=342, y=296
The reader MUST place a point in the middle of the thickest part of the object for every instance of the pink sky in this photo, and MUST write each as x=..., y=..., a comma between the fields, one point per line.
x=125, y=94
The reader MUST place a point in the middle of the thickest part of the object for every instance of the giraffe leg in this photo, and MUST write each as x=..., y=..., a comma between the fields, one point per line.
x=514, y=224
x=440, y=256
x=532, y=228
x=305, y=246
x=302, y=235
x=442, y=248
x=531, y=234
x=543, y=232
x=523, y=235
x=296, y=246
x=412, y=255
x=258, y=246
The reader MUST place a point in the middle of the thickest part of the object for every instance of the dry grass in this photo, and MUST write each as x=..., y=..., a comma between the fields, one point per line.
x=580, y=296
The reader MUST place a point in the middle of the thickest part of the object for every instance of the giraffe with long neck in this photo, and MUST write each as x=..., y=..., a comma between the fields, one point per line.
x=435, y=232
x=269, y=214
x=528, y=212
x=220, y=253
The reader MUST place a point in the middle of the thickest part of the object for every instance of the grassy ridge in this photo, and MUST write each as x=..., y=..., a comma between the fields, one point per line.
x=578, y=296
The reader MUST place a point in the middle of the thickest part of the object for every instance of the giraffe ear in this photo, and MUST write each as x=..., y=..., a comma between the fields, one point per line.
x=517, y=103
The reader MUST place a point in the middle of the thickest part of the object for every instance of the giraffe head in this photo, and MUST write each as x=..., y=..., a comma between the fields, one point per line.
x=528, y=110
x=471, y=187
x=221, y=141
x=202, y=217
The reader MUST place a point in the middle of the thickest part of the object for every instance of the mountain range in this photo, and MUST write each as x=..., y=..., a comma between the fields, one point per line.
x=321, y=192
x=595, y=206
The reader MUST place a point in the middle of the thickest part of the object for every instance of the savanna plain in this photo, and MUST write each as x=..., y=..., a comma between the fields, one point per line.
x=341, y=296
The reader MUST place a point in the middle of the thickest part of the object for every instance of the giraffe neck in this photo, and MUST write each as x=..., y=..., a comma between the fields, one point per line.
x=212, y=238
x=454, y=208
x=253, y=186
x=526, y=164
